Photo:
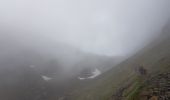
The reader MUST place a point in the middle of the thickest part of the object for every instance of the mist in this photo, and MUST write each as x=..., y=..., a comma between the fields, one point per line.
x=78, y=33
x=46, y=44
x=111, y=28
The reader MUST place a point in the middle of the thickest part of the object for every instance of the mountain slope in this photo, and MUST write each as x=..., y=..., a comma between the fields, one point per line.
x=26, y=69
x=155, y=58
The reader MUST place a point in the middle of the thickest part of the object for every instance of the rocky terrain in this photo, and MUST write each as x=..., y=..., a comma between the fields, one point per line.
x=157, y=88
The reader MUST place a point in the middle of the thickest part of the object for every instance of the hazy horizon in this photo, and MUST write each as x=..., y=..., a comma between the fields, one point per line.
x=104, y=27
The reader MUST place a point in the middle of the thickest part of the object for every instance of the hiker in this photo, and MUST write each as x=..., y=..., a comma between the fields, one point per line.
x=141, y=70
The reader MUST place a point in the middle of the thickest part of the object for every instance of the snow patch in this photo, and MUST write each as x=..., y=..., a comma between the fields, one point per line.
x=46, y=78
x=95, y=73
x=81, y=78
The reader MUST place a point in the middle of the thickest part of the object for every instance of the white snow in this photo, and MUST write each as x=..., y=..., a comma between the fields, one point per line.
x=46, y=78
x=81, y=78
x=95, y=73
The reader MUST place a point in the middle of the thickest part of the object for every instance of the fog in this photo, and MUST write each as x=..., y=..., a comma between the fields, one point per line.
x=46, y=44
x=104, y=27
x=77, y=33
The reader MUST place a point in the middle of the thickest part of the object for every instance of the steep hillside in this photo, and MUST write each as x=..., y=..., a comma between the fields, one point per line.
x=155, y=58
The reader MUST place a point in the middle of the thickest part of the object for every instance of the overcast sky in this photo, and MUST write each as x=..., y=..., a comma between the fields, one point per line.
x=107, y=27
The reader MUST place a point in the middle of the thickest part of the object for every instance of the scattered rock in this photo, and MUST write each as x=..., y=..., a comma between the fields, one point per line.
x=158, y=88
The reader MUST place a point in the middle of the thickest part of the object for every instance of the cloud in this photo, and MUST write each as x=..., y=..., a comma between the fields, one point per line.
x=107, y=27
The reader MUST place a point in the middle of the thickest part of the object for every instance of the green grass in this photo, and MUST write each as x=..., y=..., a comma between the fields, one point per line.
x=155, y=60
x=134, y=92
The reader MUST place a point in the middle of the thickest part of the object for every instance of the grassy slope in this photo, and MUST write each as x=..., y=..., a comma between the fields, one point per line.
x=155, y=59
